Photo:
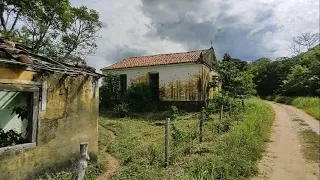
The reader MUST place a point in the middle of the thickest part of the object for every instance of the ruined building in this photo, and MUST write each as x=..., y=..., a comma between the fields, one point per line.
x=47, y=108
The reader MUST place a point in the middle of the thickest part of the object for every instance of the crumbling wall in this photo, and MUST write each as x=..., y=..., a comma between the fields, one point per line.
x=69, y=117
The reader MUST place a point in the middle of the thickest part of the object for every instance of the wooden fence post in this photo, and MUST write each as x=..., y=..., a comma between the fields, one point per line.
x=167, y=143
x=201, y=124
x=83, y=162
x=242, y=102
x=221, y=112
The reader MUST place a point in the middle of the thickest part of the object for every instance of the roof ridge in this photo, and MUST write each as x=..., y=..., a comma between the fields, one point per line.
x=165, y=54
x=159, y=59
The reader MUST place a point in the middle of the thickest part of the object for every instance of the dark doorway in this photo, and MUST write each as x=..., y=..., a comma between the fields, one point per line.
x=154, y=85
x=123, y=85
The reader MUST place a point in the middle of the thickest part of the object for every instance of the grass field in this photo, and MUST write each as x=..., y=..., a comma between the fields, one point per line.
x=230, y=149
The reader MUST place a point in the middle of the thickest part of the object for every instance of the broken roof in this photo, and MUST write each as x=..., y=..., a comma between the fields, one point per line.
x=15, y=53
x=159, y=59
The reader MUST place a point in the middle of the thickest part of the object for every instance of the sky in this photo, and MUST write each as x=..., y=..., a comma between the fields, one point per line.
x=246, y=29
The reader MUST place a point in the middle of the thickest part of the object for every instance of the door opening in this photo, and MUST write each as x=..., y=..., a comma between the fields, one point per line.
x=154, y=85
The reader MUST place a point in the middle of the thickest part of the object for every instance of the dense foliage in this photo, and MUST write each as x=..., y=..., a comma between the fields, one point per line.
x=296, y=76
x=10, y=138
x=52, y=28
x=109, y=91
x=236, y=80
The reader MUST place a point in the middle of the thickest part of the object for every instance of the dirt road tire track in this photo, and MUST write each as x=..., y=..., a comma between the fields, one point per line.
x=283, y=158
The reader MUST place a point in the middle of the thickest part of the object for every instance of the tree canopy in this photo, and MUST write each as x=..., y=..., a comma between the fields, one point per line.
x=52, y=28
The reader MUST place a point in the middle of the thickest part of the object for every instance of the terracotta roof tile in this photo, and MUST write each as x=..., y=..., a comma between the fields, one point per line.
x=159, y=59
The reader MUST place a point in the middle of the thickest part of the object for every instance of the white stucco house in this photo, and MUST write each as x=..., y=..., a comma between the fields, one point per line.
x=181, y=76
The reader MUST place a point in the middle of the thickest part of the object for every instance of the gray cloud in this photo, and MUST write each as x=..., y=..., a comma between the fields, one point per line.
x=119, y=53
x=247, y=29
x=187, y=22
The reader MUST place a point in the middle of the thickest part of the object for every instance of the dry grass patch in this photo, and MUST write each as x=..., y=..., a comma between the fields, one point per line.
x=310, y=145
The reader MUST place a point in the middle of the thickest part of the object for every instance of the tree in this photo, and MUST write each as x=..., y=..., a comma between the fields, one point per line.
x=81, y=35
x=304, y=41
x=235, y=79
x=52, y=28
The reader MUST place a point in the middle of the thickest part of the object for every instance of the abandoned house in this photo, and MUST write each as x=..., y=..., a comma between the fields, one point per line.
x=47, y=109
x=182, y=76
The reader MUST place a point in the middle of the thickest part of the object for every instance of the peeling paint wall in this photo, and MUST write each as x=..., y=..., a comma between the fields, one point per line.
x=177, y=82
x=70, y=117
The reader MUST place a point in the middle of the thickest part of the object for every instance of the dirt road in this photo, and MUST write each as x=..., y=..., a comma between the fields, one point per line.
x=283, y=159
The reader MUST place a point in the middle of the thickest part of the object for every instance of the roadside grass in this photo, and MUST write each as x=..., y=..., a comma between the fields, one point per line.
x=230, y=149
x=310, y=145
x=310, y=105
x=236, y=153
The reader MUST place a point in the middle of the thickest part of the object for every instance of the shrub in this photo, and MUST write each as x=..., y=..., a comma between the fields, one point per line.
x=222, y=126
x=109, y=91
x=121, y=110
x=10, y=138
x=283, y=99
x=139, y=97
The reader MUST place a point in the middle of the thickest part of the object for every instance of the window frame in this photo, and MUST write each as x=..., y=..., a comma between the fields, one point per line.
x=33, y=121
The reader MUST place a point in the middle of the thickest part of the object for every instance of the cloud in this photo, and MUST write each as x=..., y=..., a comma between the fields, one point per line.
x=246, y=29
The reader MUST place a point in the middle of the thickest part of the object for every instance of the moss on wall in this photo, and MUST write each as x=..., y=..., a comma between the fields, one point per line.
x=71, y=117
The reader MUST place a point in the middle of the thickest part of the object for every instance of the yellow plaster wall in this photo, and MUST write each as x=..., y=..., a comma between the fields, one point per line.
x=70, y=118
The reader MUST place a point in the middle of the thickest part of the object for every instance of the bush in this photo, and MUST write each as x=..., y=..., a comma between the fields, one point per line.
x=109, y=94
x=121, y=110
x=219, y=100
x=283, y=99
x=222, y=126
x=10, y=138
x=139, y=97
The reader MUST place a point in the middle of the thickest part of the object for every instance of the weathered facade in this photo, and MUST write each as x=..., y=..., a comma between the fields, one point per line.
x=61, y=114
x=181, y=76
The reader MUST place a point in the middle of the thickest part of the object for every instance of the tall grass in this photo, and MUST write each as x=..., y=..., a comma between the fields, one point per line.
x=236, y=154
x=310, y=105
x=229, y=154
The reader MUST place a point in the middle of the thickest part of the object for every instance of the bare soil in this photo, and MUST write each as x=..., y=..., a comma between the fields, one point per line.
x=283, y=158
x=113, y=163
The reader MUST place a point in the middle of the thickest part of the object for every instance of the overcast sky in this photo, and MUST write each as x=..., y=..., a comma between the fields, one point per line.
x=246, y=29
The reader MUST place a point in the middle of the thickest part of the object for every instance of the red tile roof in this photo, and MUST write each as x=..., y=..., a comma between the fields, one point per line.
x=159, y=59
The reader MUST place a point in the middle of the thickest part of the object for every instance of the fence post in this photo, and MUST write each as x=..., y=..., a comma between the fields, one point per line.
x=83, y=161
x=221, y=112
x=242, y=102
x=167, y=142
x=201, y=124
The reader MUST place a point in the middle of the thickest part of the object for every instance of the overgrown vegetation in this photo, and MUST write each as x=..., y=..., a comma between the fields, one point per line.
x=10, y=138
x=310, y=105
x=230, y=153
x=296, y=76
